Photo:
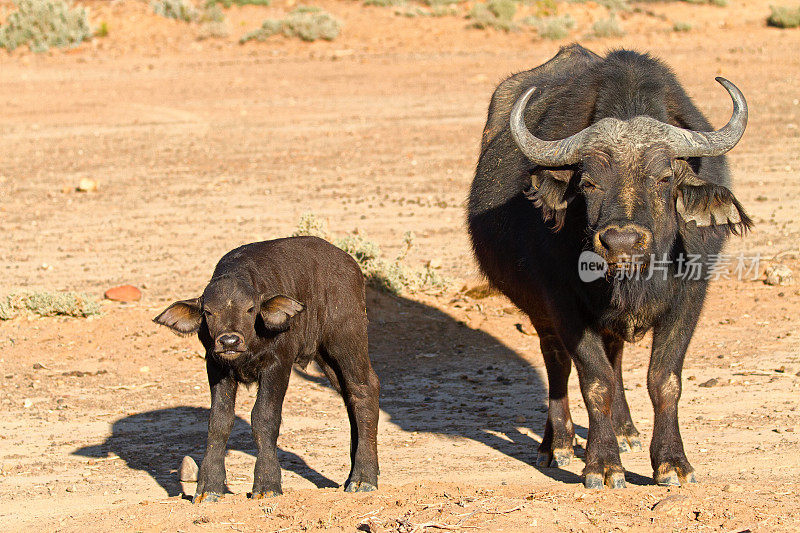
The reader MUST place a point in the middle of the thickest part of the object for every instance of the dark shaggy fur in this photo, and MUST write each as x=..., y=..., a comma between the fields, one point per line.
x=270, y=305
x=529, y=225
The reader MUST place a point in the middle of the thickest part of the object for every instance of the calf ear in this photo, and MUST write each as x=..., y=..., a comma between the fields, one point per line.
x=549, y=193
x=182, y=317
x=707, y=205
x=278, y=310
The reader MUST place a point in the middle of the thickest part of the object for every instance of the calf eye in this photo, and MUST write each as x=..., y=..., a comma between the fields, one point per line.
x=251, y=310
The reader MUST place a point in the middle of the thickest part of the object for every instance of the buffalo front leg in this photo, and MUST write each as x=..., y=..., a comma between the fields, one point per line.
x=670, y=340
x=559, y=433
x=596, y=375
x=627, y=434
x=266, y=422
x=211, y=478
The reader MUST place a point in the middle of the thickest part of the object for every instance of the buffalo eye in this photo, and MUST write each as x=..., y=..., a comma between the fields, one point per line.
x=206, y=312
x=664, y=178
x=587, y=184
x=251, y=310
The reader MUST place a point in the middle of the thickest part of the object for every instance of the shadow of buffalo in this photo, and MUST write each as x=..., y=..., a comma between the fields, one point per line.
x=437, y=376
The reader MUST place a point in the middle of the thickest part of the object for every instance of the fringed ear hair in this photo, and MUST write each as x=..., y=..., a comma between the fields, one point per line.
x=549, y=193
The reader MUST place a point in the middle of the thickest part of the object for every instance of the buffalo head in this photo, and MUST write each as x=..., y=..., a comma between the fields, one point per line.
x=634, y=177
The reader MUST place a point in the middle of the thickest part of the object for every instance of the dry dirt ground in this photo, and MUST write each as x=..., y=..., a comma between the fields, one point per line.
x=201, y=146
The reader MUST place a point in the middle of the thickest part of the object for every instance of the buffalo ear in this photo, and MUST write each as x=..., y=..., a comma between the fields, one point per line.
x=278, y=310
x=549, y=192
x=707, y=205
x=183, y=317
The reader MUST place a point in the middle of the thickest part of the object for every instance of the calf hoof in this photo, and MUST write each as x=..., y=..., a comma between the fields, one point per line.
x=206, y=497
x=554, y=459
x=359, y=486
x=671, y=476
x=614, y=479
x=265, y=494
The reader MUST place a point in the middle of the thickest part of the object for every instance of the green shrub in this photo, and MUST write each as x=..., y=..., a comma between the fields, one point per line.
x=48, y=304
x=552, y=27
x=498, y=14
x=43, y=24
x=383, y=274
x=609, y=27
x=307, y=23
x=383, y=3
x=784, y=17
x=175, y=9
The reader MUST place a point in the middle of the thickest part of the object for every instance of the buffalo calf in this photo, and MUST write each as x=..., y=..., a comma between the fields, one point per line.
x=269, y=305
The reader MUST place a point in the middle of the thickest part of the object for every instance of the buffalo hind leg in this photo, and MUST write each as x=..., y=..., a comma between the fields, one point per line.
x=627, y=434
x=347, y=366
x=559, y=433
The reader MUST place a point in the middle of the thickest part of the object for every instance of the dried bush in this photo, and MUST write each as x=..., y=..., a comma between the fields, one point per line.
x=175, y=9
x=784, y=17
x=609, y=27
x=307, y=23
x=44, y=24
x=552, y=27
x=497, y=14
x=73, y=304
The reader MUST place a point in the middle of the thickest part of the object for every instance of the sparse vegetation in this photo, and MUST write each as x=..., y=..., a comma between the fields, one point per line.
x=307, y=23
x=681, y=26
x=175, y=9
x=784, y=17
x=720, y=3
x=230, y=3
x=387, y=275
x=73, y=304
x=609, y=27
x=383, y=3
x=44, y=24
x=611, y=5
x=498, y=14
x=552, y=27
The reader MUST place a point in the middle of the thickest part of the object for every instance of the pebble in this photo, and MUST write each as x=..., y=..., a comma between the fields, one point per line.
x=710, y=383
x=124, y=293
x=188, y=471
x=86, y=185
x=674, y=505
x=732, y=488
x=779, y=275
x=520, y=419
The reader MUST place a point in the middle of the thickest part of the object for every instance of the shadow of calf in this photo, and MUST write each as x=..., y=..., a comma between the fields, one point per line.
x=156, y=442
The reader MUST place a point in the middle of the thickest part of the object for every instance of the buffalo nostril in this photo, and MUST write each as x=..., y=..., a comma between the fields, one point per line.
x=622, y=239
x=229, y=341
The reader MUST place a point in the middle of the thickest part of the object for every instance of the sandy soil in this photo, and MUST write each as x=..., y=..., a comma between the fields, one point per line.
x=199, y=146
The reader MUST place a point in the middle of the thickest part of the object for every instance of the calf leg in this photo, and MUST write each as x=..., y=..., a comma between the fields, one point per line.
x=627, y=435
x=266, y=422
x=670, y=340
x=348, y=361
x=211, y=478
x=559, y=433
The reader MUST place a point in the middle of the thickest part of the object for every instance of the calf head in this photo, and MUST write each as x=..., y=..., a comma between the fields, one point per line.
x=635, y=179
x=233, y=313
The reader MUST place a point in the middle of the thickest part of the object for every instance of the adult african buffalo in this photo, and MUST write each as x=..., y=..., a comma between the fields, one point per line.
x=607, y=156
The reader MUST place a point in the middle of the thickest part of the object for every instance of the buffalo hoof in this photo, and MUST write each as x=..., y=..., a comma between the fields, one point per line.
x=206, y=497
x=611, y=478
x=629, y=444
x=265, y=494
x=554, y=459
x=359, y=486
x=669, y=476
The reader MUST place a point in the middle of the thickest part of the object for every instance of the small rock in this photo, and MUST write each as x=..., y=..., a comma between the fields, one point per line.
x=781, y=370
x=188, y=471
x=144, y=369
x=480, y=291
x=124, y=293
x=27, y=403
x=710, y=383
x=779, y=275
x=39, y=366
x=520, y=419
x=71, y=488
x=732, y=488
x=674, y=505
x=86, y=185
x=435, y=263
